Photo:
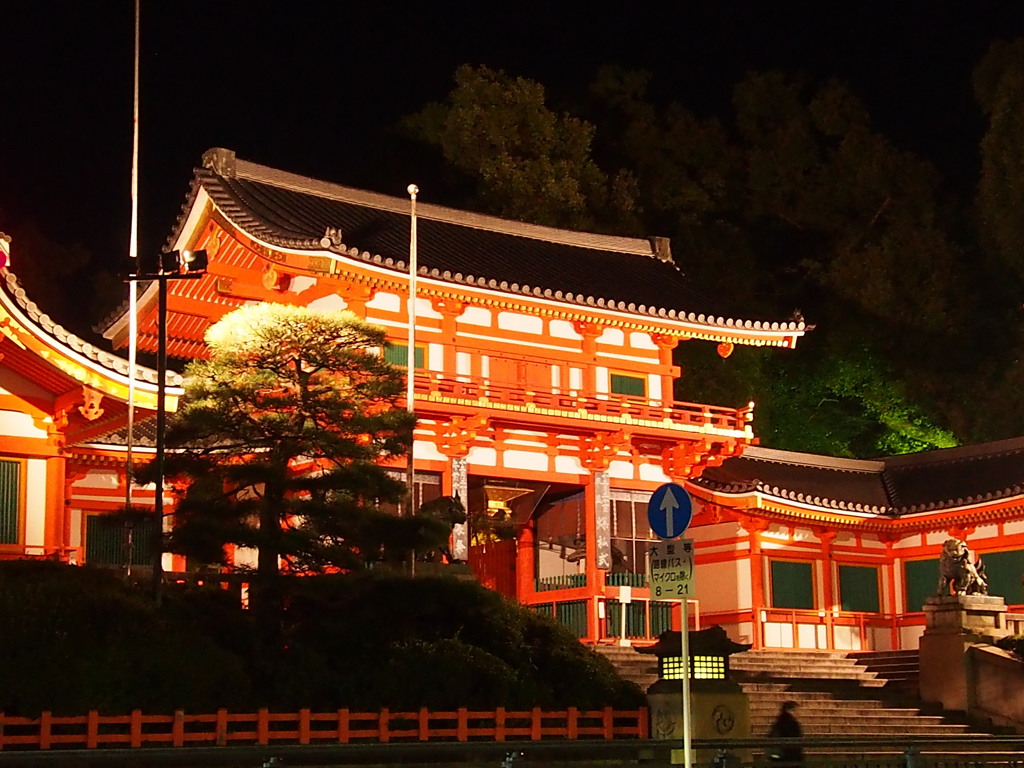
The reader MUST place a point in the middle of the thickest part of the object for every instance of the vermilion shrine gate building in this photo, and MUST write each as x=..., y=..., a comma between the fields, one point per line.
x=544, y=394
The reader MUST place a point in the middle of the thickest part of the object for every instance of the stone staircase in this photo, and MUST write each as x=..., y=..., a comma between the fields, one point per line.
x=839, y=695
x=640, y=668
x=900, y=669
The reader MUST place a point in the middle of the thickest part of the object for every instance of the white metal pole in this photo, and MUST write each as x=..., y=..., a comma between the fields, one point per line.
x=410, y=366
x=684, y=641
x=133, y=252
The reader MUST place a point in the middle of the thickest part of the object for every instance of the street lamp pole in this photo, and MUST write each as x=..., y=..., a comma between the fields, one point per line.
x=174, y=265
x=161, y=426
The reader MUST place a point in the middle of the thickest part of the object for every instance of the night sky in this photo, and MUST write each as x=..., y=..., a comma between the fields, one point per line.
x=317, y=88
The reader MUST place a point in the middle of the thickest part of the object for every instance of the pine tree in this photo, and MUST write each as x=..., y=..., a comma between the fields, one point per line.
x=277, y=447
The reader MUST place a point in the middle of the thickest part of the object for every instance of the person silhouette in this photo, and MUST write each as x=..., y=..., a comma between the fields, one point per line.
x=786, y=726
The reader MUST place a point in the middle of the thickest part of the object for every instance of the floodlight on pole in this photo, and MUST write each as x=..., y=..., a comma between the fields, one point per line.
x=171, y=265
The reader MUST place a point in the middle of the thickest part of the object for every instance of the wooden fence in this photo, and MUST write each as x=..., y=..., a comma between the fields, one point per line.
x=304, y=727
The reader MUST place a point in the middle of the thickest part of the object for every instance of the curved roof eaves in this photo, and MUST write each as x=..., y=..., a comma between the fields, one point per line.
x=10, y=287
x=571, y=267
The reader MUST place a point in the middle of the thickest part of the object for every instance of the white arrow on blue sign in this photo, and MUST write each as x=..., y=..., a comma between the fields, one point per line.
x=669, y=510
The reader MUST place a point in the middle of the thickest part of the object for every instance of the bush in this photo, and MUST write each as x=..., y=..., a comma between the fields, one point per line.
x=76, y=638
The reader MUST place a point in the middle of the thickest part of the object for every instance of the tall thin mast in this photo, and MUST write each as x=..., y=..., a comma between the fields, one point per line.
x=410, y=365
x=133, y=253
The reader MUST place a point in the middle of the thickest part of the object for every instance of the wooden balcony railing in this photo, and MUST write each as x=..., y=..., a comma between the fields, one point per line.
x=261, y=728
x=676, y=415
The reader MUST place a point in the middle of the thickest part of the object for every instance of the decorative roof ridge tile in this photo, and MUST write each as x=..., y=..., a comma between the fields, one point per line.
x=75, y=345
x=779, y=456
x=297, y=183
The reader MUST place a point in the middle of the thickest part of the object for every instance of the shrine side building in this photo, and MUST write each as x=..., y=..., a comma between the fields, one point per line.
x=545, y=372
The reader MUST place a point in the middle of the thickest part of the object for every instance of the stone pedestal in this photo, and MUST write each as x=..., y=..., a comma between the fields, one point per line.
x=719, y=710
x=952, y=625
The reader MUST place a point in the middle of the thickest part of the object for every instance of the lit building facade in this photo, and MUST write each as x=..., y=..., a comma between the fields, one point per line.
x=544, y=382
x=544, y=391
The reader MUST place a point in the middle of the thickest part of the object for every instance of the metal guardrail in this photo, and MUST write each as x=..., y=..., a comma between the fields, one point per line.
x=866, y=752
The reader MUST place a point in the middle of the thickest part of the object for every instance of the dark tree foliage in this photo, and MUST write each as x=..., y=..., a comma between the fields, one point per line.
x=77, y=638
x=277, y=447
x=797, y=202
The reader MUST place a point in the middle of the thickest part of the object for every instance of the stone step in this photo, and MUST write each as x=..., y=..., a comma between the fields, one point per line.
x=853, y=729
x=861, y=717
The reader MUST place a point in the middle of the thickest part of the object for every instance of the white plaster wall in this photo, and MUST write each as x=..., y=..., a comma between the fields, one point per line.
x=386, y=302
x=35, y=502
x=871, y=543
x=846, y=638
x=602, y=379
x=513, y=321
x=936, y=539
x=300, y=283
x=652, y=473
x=98, y=478
x=563, y=329
x=426, y=450
x=15, y=424
x=463, y=364
x=525, y=460
x=654, y=387
x=435, y=357
x=985, y=532
x=724, y=585
x=910, y=637
x=576, y=378
x=621, y=470
x=1012, y=527
x=425, y=309
x=569, y=465
x=639, y=340
x=475, y=316
x=908, y=542
x=612, y=336
x=482, y=457
x=330, y=303
x=715, y=532
x=76, y=527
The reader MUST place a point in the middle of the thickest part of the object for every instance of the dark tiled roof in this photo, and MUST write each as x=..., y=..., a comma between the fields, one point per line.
x=626, y=274
x=893, y=486
x=144, y=435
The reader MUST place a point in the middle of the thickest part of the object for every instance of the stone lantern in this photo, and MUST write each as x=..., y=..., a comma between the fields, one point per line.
x=719, y=709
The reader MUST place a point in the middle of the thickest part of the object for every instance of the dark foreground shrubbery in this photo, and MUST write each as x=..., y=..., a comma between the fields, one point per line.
x=75, y=639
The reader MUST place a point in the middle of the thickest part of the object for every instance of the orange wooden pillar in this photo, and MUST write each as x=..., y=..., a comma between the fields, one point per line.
x=525, y=563
x=829, y=596
x=754, y=528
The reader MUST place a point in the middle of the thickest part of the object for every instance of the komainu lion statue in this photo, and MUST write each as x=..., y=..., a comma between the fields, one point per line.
x=956, y=570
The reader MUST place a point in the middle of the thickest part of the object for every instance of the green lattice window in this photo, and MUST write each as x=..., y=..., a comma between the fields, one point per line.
x=1003, y=572
x=858, y=588
x=398, y=354
x=792, y=584
x=11, y=471
x=921, y=580
x=107, y=541
x=624, y=384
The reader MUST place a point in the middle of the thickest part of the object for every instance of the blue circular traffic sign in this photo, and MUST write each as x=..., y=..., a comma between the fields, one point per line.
x=669, y=510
